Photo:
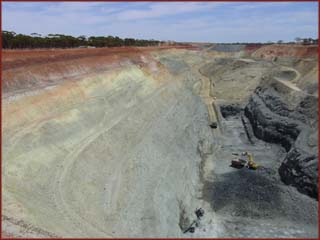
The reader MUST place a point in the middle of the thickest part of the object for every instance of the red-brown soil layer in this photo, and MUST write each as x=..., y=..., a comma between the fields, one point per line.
x=294, y=51
x=28, y=69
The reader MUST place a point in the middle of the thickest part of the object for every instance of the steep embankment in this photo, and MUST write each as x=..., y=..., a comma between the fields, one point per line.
x=27, y=69
x=284, y=110
x=98, y=145
x=288, y=116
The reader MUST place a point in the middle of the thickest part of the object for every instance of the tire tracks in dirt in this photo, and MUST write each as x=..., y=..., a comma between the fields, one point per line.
x=77, y=220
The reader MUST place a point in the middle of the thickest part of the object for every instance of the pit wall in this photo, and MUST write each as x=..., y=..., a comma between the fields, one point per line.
x=278, y=114
x=269, y=52
x=99, y=156
x=24, y=70
x=283, y=52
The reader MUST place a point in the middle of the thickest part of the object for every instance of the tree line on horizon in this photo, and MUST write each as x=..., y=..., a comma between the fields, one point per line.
x=11, y=40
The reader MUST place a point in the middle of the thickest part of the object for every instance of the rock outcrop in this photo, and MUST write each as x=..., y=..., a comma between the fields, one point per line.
x=277, y=118
x=230, y=110
x=300, y=169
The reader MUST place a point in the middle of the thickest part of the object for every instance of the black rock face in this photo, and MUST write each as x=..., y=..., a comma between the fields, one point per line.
x=273, y=121
x=300, y=169
x=269, y=123
x=230, y=110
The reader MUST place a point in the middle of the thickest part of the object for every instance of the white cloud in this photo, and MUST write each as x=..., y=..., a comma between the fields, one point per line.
x=165, y=9
x=193, y=21
x=261, y=5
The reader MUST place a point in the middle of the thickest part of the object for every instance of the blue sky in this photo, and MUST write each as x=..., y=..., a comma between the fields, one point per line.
x=179, y=21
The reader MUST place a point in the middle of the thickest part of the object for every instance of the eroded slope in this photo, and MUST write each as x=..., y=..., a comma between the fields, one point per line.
x=108, y=153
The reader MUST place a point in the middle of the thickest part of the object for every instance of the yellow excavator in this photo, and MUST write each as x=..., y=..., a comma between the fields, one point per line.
x=251, y=164
x=240, y=162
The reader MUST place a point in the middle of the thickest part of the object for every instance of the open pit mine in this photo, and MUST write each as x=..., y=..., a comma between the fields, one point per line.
x=140, y=142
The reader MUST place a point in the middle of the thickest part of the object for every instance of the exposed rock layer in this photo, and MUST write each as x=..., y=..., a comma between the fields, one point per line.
x=273, y=120
x=230, y=110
